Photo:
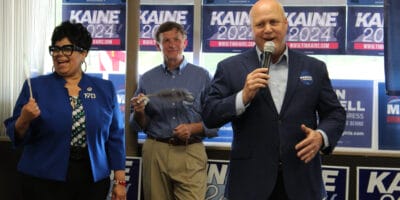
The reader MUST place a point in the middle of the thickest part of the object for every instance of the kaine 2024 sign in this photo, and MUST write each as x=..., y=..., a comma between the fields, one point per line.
x=365, y=31
x=316, y=30
x=106, y=23
x=152, y=16
x=378, y=183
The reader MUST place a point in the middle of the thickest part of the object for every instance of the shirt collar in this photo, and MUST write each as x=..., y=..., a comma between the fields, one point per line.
x=285, y=54
x=180, y=68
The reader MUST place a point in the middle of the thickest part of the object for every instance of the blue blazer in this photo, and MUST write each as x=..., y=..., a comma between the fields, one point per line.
x=263, y=137
x=46, y=143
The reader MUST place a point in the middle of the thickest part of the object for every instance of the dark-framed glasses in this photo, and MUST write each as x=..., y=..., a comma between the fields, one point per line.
x=66, y=50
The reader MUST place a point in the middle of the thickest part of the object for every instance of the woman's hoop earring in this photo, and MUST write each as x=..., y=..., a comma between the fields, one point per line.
x=84, y=62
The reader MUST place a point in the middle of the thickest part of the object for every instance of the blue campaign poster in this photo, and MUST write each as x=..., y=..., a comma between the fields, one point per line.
x=365, y=2
x=152, y=16
x=119, y=83
x=133, y=176
x=226, y=29
x=336, y=181
x=389, y=120
x=226, y=2
x=378, y=183
x=106, y=23
x=365, y=30
x=356, y=96
x=316, y=30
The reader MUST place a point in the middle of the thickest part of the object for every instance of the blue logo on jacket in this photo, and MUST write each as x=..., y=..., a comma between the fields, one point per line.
x=306, y=78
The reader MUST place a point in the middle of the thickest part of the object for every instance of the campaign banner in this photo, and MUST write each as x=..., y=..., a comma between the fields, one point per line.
x=226, y=29
x=378, y=183
x=118, y=81
x=95, y=1
x=389, y=120
x=133, y=177
x=365, y=31
x=392, y=50
x=217, y=171
x=227, y=2
x=316, y=30
x=356, y=96
x=336, y=181
x=365, y=2
x=106, y=23
x=151, y=16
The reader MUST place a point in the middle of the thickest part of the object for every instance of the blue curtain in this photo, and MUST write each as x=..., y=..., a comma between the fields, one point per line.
x=392, y=47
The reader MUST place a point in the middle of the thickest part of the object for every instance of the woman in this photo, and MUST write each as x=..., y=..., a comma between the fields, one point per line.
x=70, y=128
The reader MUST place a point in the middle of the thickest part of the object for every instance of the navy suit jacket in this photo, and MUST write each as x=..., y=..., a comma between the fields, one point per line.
x=263, y=138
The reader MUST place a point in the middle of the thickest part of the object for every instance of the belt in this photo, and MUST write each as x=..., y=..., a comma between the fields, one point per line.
x=175, y=141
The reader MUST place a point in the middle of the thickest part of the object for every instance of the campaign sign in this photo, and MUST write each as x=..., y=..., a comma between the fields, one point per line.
x=119, y=84
x=389, y=120
x=133, y=177
x=106, y=23
x=365, y=2
x=316, y=30
x=365, y=31
x=356, y=96
x=378, y=183
x=336, y=181
x=226, y=2
x=226, y=29
x=95, y=1
x=217, y=171
x=151, y=16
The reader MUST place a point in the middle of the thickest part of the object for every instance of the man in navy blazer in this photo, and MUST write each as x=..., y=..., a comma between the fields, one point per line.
x=282, y=116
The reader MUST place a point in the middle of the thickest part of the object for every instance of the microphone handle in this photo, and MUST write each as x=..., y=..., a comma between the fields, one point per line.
x=266, y=61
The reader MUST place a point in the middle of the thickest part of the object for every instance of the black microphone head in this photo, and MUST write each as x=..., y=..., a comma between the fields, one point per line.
x=269, y=46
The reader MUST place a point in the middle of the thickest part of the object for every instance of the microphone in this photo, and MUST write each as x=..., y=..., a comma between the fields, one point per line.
x=269, y=48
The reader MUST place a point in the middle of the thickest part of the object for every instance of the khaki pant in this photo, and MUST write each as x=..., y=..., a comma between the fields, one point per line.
x=174, y=172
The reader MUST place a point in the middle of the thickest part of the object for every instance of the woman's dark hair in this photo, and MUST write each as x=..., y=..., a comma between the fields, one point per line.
x=76, y=33
x=167, y=26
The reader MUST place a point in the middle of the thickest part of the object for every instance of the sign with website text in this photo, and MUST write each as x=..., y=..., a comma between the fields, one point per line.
x=106, y=23
x=226, y=29
x=365, y=31
x=356, y=96
x=151, y=16
x=316, y=30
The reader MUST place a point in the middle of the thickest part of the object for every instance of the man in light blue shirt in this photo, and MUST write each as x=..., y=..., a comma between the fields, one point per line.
x=167, y=106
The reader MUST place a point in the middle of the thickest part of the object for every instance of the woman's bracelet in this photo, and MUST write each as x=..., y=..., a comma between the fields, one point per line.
x=119, y=182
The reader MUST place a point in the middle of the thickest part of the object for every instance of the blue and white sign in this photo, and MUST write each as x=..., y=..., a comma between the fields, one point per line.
x=217, y=171
x=133, y=176
x=356, y=96
x=226, y=29
x=378, y=183
x=365, y=2
x=227, y=2
x=95, y=1
x=316, y=30
x=389, y=120
x=336, y=180
x=152, y=16
x=106, y=23
x=365, y=30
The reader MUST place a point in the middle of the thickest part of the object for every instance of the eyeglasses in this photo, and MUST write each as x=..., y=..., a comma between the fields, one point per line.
x=66, y=50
